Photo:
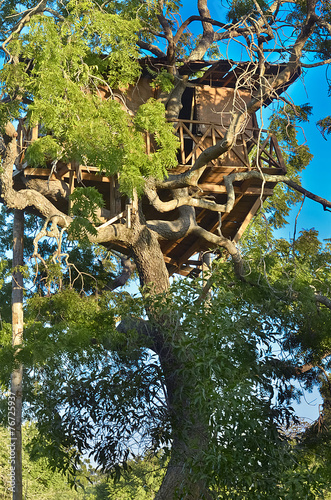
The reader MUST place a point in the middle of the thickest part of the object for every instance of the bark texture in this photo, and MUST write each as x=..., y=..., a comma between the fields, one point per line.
x=17, y=374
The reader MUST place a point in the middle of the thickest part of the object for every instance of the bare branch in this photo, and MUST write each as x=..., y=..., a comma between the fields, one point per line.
x=316, y=65
x=325, y=203
x=151, y=48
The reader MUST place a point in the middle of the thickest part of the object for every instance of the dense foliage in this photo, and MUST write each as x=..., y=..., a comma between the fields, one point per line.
x=188, y=383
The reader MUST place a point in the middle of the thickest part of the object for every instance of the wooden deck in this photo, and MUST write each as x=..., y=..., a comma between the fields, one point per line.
x=255, y=149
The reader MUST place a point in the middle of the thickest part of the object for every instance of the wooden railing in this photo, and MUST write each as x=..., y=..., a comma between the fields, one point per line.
x=254, y=148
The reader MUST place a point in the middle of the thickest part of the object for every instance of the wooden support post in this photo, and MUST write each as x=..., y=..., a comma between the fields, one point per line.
x=128, y=214
x=71, y=186
x=182, y=147
x=112, y=197
x=15, y=399
x=118, y=199
x=213, y=136
x=148, y=143
x=20, y=141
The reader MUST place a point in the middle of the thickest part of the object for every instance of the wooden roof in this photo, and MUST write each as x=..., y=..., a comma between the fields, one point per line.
x=222, y=73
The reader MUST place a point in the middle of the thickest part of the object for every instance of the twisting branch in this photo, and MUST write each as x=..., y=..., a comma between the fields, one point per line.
x=240, y=176
x=221, y=241
x=192, y=176
x=179, y=201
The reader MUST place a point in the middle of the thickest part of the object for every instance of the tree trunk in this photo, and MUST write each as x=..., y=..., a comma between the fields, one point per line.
x=189, y=438
x=15, y=411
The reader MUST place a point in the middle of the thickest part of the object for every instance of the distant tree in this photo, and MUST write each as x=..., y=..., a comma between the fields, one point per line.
x=40, y=482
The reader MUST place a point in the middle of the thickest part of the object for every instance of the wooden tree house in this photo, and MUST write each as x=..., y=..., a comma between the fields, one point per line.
x=208, y=103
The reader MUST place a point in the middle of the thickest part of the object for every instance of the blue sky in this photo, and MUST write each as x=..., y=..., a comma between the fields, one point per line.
x=317, y=176
x=312, y=88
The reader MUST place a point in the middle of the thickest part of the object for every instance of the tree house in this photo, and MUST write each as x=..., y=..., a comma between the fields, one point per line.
x=208, y=104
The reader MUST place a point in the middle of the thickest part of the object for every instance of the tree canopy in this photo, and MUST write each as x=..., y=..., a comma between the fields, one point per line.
x=188, y=370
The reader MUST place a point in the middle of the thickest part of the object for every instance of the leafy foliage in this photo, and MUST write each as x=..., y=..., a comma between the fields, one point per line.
x=63, y=68
x=284, y=125
x=115, y=375
x=40, y=482
x=92, y=388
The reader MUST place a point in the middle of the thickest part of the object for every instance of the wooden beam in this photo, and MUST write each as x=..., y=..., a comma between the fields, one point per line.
x=278, y=153
x=247, y=219
x=45, y=172
x=113, y=219
x=112, y=196
x=71, y=185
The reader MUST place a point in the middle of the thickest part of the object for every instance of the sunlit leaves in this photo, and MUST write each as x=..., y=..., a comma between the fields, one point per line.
x=285, y=126
x=44, y=150
x=325, y=126
x=65, y=68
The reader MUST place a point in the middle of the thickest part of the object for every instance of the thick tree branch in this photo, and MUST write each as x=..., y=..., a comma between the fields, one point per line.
x=190, y=180
x=128, y=268
x=180, y=200
x=174, y=230
x=321, y=299
x=208, y=35
x=151, y=48
x=221, y=241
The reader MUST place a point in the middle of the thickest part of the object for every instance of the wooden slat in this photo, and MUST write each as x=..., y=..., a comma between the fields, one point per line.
x=112, y=197
x=182, y=149
x=71, y=185
x=247, y=219
x=278, y=153
x=45, y=172
x=148, y=144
